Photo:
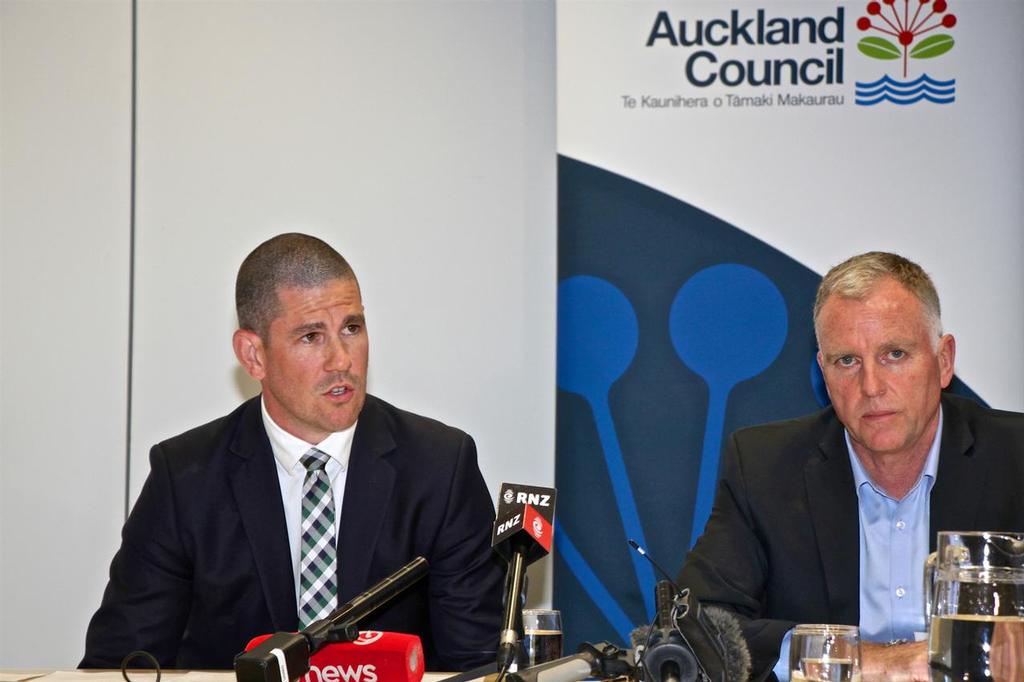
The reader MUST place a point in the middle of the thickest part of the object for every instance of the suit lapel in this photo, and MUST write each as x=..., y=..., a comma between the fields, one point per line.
x=257, y=493
x=368, y=489
x=954, y=500
x=832, y=499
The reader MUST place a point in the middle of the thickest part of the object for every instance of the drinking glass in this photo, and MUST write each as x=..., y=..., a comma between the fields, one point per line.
x=542, y=636
x=825, y=653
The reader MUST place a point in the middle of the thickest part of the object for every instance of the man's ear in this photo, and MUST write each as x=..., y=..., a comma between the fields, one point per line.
x=947, y=358
x=250, y=353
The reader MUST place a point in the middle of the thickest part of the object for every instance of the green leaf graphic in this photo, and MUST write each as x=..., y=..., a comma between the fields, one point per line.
x=879, y=48
x=932, y=46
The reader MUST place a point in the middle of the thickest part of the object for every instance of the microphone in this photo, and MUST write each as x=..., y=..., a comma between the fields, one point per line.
x=668, y=656
x=362, y=605
x=565, y=669
x=695, y=642
x=737, y=659
x=374, y=656
x=602, y=661
x=285, y=656
x=523, y=529
x=643, y=552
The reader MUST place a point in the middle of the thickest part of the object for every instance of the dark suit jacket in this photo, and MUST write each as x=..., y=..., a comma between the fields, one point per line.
x=782, y=544
x=204, y=562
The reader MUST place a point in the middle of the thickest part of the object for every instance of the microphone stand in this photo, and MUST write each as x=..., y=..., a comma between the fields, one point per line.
x=291, y=650
x=509, y=639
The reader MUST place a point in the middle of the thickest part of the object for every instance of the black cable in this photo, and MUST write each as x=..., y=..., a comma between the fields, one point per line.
x=640, y=662
x=136, y=654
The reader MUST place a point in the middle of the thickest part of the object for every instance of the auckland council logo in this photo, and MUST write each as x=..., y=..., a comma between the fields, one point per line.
x=907, y=21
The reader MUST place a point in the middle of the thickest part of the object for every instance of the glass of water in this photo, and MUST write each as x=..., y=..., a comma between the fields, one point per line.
x=542, y=636
x=825, y=653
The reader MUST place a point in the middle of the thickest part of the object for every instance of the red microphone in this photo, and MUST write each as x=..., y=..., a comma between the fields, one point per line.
x=372, y=657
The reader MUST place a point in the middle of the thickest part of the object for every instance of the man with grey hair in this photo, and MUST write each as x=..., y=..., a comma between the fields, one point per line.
x=269, y=518
x=828, y=518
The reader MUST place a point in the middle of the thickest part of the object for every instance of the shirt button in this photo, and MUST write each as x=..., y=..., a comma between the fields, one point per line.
x=900, y=592
x=901, y=524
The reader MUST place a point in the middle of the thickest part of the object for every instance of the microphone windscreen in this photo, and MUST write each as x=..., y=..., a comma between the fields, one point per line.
x=737, y=654
x=638, y=637
x=372, y=657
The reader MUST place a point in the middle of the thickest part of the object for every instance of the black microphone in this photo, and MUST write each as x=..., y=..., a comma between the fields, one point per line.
x=523, y=529
x=668, y=656
x=709, y=636
x=643, y=552
x=603, y=661
x=284, y=656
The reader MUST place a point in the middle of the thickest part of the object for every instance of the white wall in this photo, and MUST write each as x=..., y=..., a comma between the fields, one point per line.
x=418, y=138
x=64, y=137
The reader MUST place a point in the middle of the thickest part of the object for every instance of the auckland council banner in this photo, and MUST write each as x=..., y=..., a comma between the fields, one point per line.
x=715, y=159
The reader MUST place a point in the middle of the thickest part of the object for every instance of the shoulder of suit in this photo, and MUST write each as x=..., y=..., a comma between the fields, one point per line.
x=972, y=407
x=407, y=425
x=981, y=420
x=810, y=426
x=208, y=439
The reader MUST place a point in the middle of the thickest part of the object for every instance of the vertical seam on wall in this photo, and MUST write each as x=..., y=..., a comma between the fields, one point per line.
x=131, y=265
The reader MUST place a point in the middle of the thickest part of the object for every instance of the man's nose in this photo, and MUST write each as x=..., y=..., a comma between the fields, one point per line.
x=871, y=383
x=338, y=358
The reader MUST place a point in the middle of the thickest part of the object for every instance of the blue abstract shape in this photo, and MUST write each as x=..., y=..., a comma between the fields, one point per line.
x=597, y=340
x=597, y=335
x=728, y=323
x=592, y=585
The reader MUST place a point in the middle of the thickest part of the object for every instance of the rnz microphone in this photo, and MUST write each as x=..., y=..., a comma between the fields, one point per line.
x=523, y=528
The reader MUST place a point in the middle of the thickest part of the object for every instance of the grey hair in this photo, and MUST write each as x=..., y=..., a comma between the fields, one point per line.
x=857, y=277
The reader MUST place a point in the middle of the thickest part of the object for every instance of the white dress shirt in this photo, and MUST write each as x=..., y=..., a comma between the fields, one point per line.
x=288, y=452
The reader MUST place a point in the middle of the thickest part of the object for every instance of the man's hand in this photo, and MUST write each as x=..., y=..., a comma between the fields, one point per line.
x=897, y=663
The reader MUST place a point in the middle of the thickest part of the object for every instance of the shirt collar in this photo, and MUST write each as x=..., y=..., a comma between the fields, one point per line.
x=289, y=449
x=931, y=463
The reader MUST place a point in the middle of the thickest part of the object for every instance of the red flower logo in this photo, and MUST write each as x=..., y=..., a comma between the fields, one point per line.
x=888, y=18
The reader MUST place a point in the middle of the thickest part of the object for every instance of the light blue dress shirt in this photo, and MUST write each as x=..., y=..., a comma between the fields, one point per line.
x=893, y=549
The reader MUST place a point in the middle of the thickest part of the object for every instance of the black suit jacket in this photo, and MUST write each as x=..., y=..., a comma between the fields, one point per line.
x=782, y=544
x=204, y=563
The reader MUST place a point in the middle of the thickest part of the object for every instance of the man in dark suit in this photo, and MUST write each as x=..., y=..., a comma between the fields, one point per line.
x=220, y=544
x=827, y=518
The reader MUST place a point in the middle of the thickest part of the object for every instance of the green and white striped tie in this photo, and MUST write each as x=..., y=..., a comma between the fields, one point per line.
x=318, y=566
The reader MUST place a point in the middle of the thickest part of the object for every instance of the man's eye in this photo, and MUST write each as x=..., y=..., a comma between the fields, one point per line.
x=846, y=361
x=310, y=337
x=352, y=329
x=897, y=354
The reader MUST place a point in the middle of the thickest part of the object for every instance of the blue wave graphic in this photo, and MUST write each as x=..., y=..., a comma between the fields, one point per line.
x=923, y=78
x=886, y=89
x=912, y=100
x=906, y=92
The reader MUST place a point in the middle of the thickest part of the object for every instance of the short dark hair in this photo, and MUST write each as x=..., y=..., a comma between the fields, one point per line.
x=287, y=260
x=857, y=277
